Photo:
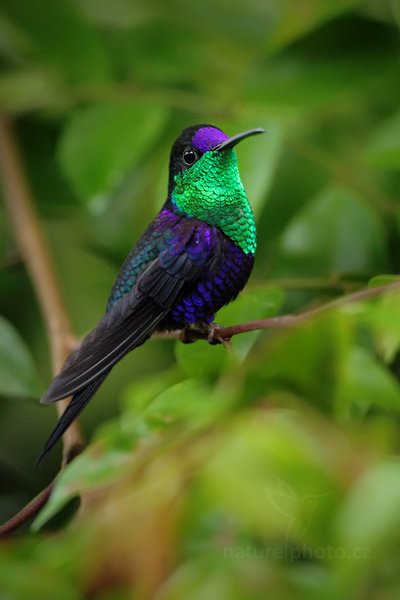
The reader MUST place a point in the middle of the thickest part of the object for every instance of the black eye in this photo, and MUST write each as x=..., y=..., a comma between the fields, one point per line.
x=189, y=156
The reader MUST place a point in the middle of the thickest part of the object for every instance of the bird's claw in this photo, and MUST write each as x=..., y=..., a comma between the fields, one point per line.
x=210, y=329
x=212, y=338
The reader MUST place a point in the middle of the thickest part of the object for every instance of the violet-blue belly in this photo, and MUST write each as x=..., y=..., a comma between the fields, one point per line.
x=214, y=289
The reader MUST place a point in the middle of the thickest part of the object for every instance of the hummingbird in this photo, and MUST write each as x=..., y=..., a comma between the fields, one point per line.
x=194, y=257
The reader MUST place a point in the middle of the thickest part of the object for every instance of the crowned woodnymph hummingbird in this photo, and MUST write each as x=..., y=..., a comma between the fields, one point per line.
x=193, y=258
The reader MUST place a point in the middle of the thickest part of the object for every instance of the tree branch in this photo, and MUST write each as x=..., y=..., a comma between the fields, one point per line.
x=280, y=322
x=28, y=512
x=36, y=257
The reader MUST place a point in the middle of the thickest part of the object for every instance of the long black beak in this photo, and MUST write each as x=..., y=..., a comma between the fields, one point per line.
x=235, y=139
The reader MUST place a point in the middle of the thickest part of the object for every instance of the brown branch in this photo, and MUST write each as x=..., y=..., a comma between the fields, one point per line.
x=36, y=257
x=280, y=322
x=27, y=513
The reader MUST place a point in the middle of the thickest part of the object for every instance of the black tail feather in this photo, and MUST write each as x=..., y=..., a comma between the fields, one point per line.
x=127, y=325
x=77, y=404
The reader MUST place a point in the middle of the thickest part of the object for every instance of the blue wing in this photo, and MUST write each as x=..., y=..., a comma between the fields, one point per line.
x=130, y=322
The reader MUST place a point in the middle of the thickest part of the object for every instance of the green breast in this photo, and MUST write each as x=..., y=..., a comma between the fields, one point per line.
x=212, y=191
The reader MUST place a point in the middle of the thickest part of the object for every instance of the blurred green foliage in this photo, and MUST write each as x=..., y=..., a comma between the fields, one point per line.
x=274, y=470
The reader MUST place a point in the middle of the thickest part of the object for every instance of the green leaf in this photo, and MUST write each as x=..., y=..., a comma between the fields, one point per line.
x=191, y=402
x=380, y=280
x=363, y=382
x=18, y=375
x=101, y=142
x=29, y=90
x=121, y=14
x=298, y=19
x=383, y=317
x=297, y=88
x=7, y=244
x=28, y=570
x=58, y=38
x=200, y=359
x=337, y=232
x=87, y=472
x=384, y=148
x=369, y=517
x=304, y=359
x=141, y=392
x=264, y=473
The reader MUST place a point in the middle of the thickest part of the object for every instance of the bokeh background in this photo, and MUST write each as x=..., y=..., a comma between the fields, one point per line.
x=274, y=470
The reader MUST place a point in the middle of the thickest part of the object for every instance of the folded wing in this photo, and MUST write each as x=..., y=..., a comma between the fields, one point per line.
x=126, y=326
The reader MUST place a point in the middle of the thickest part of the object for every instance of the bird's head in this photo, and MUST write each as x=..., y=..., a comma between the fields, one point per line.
x=204, y=181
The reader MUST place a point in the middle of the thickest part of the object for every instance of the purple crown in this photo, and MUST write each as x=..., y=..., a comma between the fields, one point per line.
x=207, y=137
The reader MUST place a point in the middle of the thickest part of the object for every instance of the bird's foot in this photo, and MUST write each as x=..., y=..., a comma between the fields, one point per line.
x=213, y=338
x=210, y=330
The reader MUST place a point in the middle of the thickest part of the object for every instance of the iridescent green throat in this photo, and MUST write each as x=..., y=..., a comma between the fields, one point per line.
x=212, y=191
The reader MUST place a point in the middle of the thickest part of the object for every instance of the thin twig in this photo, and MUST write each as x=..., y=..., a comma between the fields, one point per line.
x=283, y=321
x=28, y=512
x=36, y=257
